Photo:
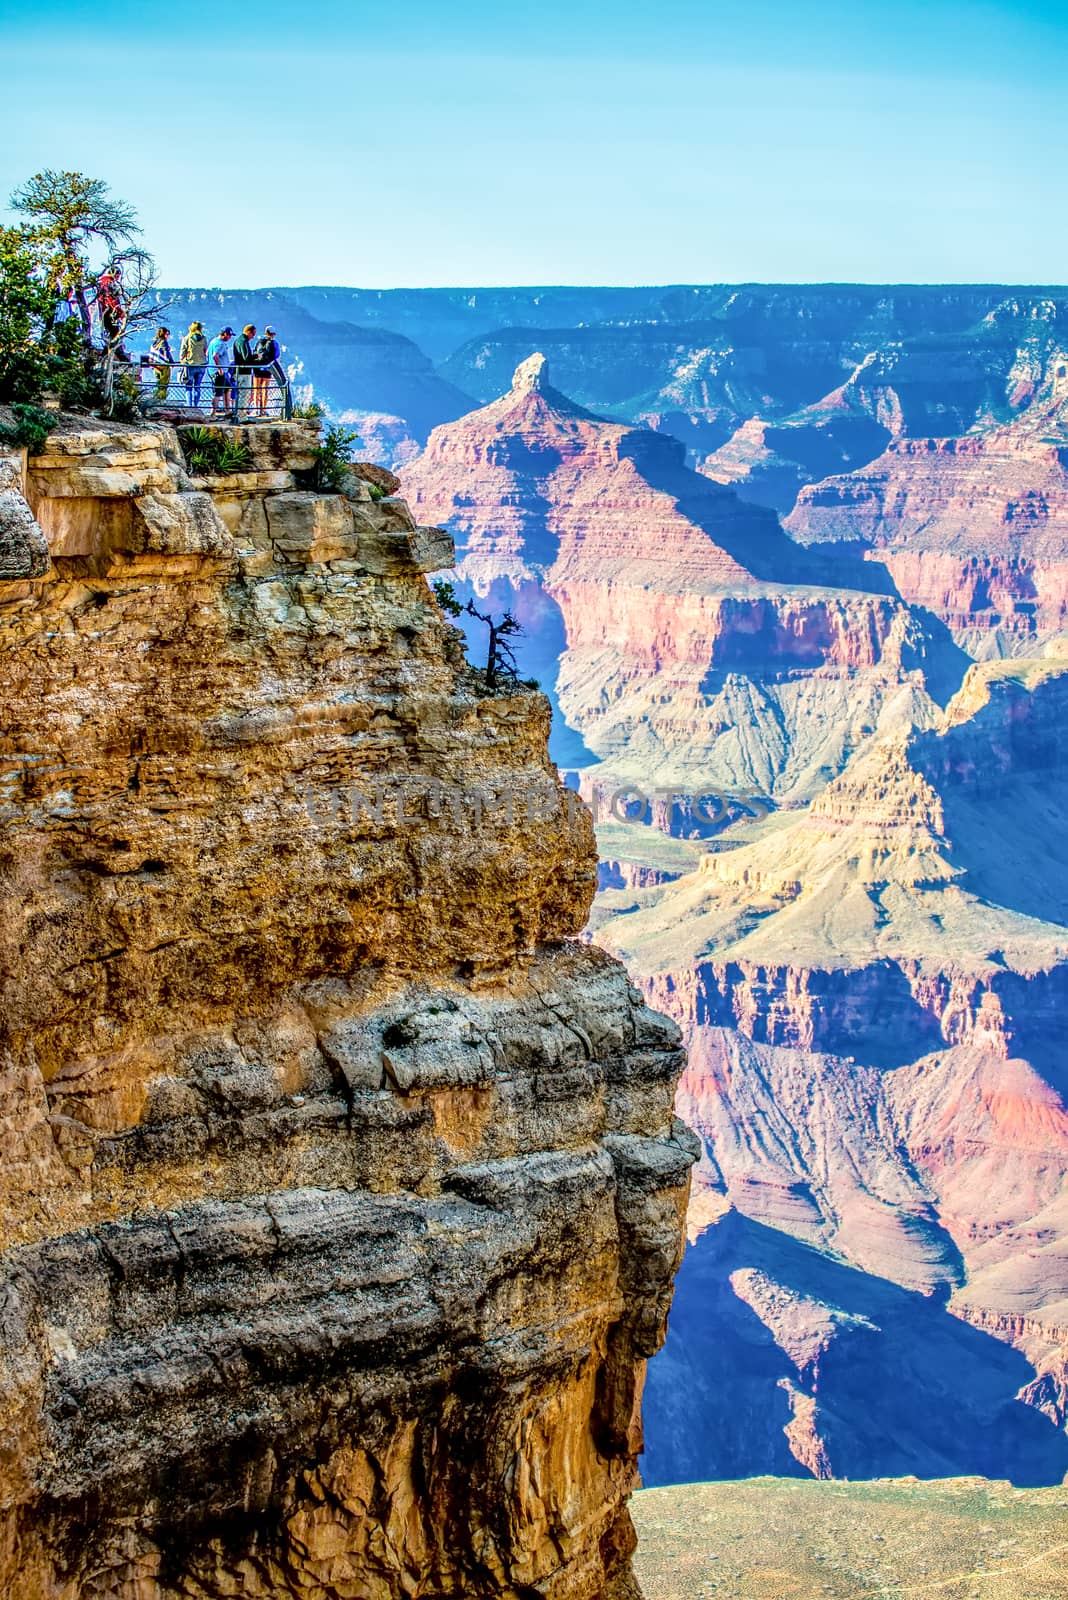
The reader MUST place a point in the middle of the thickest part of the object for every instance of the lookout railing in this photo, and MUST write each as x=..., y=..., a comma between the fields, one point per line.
x=249, y=395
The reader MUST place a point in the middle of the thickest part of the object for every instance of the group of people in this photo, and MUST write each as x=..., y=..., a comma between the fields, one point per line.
x=242, y=369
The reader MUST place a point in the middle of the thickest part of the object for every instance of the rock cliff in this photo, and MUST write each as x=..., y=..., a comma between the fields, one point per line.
x=974, y=528
x=686, y=639
x=342, y=1194
x=873, y=1001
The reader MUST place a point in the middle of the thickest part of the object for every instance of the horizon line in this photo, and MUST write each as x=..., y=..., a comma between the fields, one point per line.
x=734, y=283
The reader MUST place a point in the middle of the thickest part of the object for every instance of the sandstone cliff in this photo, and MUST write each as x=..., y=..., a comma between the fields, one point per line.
x=341, y=1194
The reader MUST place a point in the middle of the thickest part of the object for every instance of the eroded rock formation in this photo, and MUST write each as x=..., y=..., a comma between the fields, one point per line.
x=873, y=995
x=686, y=639
x=869, y=970
x=975, y=528
x=341, y=1194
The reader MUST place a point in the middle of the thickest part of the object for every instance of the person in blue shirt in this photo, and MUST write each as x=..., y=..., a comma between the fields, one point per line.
x=221, y=362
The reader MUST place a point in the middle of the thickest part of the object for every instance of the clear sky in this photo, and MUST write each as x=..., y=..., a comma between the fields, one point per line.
x=560, y=141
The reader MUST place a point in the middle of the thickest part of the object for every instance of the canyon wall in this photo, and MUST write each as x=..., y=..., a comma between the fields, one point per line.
x=342, y=1190
x=873, y=993
x=863, y=939
x=974, y=529
x=683, y=637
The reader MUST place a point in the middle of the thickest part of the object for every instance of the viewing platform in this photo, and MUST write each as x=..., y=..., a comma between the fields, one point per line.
x=180, y=393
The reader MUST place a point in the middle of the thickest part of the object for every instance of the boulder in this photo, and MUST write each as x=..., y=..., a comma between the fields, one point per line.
x=179, y=524
x=309, y=527
x=387, y=551
x=23, y=549
x=381, y=477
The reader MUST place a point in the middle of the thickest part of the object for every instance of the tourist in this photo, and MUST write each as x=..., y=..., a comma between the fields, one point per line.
x=245, y=359
x=194, y=353
x=268, y=359
x=161, y=358
x=111, y=304
x=221, y=360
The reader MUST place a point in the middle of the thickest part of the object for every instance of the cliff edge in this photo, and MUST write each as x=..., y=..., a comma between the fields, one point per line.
x=341, y=1195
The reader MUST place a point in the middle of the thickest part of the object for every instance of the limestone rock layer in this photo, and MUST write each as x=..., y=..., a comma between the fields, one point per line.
x=342, y=1195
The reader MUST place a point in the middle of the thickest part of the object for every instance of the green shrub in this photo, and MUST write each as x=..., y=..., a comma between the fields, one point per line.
x=234, y=457
x=333, y=458
x=312, y=412
x=69, y=371
x=125, y=402
x=25, y=303
x=30, y=428
x=445, y=595
x=208, y=452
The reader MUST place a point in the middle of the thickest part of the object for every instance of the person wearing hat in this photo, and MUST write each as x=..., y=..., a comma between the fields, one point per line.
x=244, y=357
x=221, y=360
x=268, y=365
x=194, y=356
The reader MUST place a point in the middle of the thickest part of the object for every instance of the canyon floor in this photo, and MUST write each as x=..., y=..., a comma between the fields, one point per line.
x=773, y=1538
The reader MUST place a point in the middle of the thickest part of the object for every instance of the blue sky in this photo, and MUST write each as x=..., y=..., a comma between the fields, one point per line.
x=560, y=142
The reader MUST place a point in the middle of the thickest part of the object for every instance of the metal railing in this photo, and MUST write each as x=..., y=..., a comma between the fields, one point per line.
x=184, y=393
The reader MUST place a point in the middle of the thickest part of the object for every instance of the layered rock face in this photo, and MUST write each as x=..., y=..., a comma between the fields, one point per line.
x=870, y=979
x=873, y=999
x=342, y=1195
x=686, y=639
x=771, y=462
x=699, y=362
x=975, y=529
